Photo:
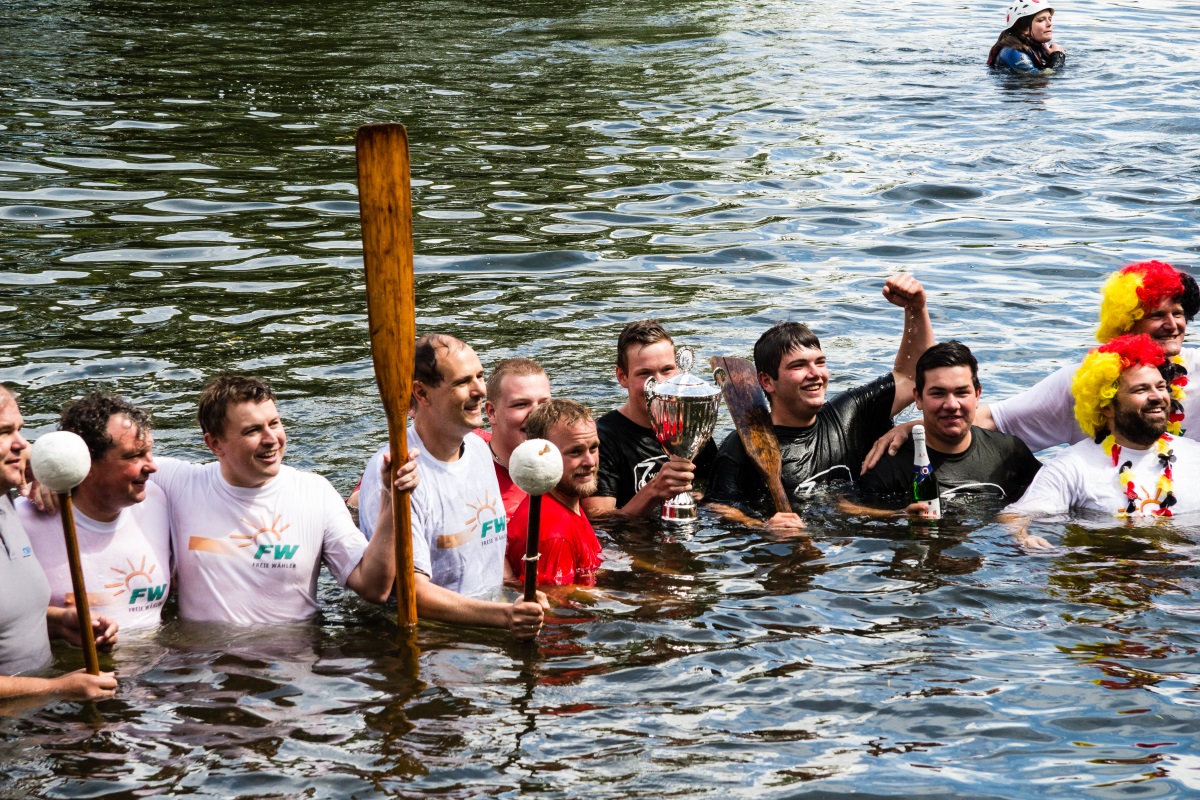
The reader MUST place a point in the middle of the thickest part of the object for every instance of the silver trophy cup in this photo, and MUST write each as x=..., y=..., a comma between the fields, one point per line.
x=683, y=413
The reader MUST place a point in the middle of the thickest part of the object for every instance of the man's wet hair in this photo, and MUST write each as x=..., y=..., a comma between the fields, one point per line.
x=425, y=361
x=224, y=391
x=1190, y=299
x=89, y=416
x=777, y=342
x=510, y=367
x=950, y=353
x=559, y=411
x=641, y=333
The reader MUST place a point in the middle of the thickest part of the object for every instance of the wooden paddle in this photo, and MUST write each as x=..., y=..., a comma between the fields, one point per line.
x=747, y=404
x=532, y=538
x=385, y=206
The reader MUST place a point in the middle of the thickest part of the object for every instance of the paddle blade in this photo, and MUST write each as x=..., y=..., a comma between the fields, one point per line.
x=747, y=404
x=385, y=207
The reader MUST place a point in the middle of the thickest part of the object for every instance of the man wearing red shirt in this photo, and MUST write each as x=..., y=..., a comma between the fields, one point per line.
x=570, y=552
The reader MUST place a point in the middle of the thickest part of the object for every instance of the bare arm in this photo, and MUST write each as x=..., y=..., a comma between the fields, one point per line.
x=983, y=417
x=74, y=685
x=906, y=291
x=673, y=477
x=778, y=521
x=63, y=623
x=1018, y=525
x=912, y=509
x=522, y=619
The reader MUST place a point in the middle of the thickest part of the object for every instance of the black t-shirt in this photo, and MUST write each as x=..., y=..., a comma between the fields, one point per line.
x=630, y=456
x=995, y=465
x=831, y=448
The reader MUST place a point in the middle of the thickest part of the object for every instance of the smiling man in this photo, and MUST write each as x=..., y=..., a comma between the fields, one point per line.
x=26, y=619
x=569, y=552
x=458, y=520
x=515, y=388
x=635, y=474
x=249, y=532
x=121, y=518
x=965, y=459
x=1131, y=466
x=819, y=440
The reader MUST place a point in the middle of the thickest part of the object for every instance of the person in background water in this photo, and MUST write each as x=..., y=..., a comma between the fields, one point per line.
x=965, y=459
x=568, y=547
x=1025, y=45
x=121, y=518
x=1132, y=466
x=25, y=616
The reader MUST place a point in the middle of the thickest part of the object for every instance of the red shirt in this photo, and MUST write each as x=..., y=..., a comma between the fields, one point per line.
x=510, y=493
x=570, y=551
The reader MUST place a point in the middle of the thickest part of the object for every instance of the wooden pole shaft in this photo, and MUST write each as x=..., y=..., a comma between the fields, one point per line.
x=531, y=547
x=90, y=660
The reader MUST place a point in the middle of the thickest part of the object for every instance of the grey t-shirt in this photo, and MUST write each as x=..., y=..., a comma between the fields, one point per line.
x=24, y=595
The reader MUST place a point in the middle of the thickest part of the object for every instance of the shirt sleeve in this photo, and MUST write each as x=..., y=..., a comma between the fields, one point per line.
x=1052, y=492
x=344, y=544
x=369, y=488
x=1017, y=61
x=1042, y=416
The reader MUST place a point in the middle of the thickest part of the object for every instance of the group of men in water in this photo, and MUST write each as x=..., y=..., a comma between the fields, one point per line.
x=242, y=538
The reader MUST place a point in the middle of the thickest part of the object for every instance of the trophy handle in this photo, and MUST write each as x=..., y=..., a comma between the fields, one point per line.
x=649, y=389
x=720, y=376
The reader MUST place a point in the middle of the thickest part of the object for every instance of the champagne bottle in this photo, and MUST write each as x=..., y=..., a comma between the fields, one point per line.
x=924, y=483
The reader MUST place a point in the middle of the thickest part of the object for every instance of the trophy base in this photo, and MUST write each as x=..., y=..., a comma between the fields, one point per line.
x=679, y=510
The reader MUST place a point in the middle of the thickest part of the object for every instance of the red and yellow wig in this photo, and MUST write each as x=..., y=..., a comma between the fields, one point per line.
x=1096, y=380
x=1136, y=289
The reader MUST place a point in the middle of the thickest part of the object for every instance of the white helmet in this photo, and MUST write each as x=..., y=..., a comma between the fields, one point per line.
x=1023, y=8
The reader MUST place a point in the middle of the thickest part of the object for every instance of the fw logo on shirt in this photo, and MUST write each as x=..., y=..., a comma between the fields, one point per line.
x=153, y=593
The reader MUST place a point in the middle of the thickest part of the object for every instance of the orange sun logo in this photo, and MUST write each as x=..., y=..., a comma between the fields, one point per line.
x=483, y=505
x=263, y=531
x=133, y=572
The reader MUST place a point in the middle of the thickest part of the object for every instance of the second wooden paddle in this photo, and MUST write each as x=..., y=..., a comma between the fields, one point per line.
x=747, y=404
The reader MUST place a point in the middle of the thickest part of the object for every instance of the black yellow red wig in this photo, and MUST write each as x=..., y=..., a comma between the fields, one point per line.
x=1095, y=383
x=1138, y=288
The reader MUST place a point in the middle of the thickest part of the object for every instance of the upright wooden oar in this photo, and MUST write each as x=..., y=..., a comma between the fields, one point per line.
x=60, y=462
x=385, y=206
x=747, y=404
x=531, y=547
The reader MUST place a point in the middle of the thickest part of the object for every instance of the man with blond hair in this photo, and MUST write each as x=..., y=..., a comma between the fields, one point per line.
x=568, y=552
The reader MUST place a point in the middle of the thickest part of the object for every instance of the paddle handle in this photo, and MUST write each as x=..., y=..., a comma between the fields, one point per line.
x=90, y=660
x=531, y=547
x=778, y=496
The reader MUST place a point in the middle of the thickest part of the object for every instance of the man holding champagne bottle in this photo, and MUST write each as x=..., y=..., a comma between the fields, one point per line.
x=954, y=455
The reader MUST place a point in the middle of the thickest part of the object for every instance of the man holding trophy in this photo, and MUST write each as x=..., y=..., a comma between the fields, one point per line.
x=821, y=440
x=636, y=475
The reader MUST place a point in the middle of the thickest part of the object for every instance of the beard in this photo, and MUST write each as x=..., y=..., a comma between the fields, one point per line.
x=570, y=487
x=1137, y=428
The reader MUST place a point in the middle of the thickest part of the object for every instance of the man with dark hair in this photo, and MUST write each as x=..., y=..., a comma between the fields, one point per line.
x=569, y=552
x=820, y=441
x=121, y=519
x=458, y=520
x=250, y=533
x=965, y=459
x=635, y=474
x=26, y=619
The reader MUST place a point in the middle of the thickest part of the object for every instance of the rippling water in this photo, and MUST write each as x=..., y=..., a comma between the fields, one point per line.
x=177, y=197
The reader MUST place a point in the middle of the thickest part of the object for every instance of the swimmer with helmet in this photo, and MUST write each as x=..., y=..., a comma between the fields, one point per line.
x=1025, y=45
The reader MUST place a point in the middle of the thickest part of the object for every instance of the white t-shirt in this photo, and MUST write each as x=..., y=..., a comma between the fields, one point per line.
x=1044, y=415
x=126, y=563
x=458, y=523
x=1082, y=476
x=248, y=556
